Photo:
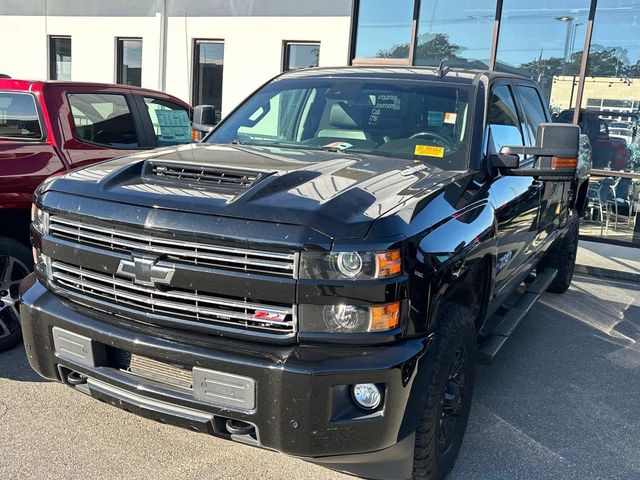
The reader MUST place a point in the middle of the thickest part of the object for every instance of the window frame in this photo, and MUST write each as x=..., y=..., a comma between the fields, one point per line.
x=141, y=133
x=520, y=84
x=51, y=56
x=43, y=131
x=285, y=52
x=119, y=59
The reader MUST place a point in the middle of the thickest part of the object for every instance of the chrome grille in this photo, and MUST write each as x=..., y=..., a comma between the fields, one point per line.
x=212, y=256
x=175, y=304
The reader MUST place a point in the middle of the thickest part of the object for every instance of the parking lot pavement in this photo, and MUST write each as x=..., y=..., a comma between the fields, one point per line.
x=561, y=402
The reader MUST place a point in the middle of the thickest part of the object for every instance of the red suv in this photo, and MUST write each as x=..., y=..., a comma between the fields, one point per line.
x=50, y=127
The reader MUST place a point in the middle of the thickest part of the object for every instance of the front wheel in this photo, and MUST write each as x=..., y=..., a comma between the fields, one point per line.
x=448, y=396
x=15, y=264
x=562, y=256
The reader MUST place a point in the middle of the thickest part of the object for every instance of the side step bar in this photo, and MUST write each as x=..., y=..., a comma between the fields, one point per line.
x=506, y=324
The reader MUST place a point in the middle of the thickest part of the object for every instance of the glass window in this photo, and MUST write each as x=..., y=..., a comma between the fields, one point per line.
x=301, y=55
x=207, y=74
x=171, y=122
x=533, y=109
x=59, y=58
x=103, y=119
x=129, y=61
x=503, y=120
x=19, y=116
x=391, y=118
x=462, y=34
x=544, y=41
x=384, y=28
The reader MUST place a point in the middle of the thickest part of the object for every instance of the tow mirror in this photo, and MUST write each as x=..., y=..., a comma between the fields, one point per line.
x=204, y=119
x=556, y=152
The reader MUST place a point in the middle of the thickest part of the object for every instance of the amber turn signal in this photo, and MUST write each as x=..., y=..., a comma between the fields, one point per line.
x=384, y=317
x=564, y=162
x=388, y=263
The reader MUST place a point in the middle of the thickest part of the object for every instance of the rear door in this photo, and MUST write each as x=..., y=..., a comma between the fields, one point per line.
x=101, y=124
x=553, y=201
x=516, y=199
x=26, y=156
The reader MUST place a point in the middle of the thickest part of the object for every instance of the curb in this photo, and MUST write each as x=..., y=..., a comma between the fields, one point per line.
x=607, y=273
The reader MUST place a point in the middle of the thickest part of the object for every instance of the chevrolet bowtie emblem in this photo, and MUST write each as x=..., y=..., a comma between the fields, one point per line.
x=144, y=271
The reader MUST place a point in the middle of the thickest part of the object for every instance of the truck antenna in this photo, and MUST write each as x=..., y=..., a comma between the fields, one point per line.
x=442, y=69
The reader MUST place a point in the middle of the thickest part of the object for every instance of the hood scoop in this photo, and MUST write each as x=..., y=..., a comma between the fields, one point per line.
x=194, y=175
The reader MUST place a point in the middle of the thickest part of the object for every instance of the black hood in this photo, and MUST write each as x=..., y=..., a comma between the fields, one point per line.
x=337, y=194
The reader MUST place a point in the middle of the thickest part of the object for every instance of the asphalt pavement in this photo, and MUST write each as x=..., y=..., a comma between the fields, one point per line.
x=561, y=402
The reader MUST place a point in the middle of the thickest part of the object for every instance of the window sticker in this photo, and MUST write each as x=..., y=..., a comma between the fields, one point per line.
x=429, y=151
x=434, y=119
x=173, y=125
x=450, y=117
x=338, y=145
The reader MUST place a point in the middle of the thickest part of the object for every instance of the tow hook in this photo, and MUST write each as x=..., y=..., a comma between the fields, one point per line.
x=75, y=378
x=237, y=427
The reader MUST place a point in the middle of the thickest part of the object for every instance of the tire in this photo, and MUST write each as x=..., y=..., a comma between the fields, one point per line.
x=562, y=256
x=446, y=405
x=15, y=263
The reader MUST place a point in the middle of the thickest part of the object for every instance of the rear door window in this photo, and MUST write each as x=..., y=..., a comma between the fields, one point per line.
x=103, y=119
x=19, y=116
x=171, y=122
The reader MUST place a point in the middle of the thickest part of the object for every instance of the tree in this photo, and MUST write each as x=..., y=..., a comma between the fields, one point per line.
x=429, y=46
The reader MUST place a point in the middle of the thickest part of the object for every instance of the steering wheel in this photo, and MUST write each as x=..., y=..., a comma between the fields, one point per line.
x=436, y=136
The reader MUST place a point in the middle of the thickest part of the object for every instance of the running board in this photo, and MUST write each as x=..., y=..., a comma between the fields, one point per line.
x=506, y=324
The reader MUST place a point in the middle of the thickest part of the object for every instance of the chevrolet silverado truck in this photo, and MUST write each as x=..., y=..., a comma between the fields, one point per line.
x=47, y=128
x=320, y=276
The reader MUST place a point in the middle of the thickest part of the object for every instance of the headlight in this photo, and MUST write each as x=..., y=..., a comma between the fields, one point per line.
x=40, y=219
x=350, y=265
x=349, y=318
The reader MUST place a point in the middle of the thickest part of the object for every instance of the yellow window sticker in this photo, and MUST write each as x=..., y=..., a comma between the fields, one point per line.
x=429, y=151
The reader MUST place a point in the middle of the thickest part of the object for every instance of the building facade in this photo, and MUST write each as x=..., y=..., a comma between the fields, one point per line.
x=583, y=53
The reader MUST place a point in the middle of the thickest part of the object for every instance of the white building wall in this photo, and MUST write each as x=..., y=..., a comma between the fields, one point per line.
x=253, y=51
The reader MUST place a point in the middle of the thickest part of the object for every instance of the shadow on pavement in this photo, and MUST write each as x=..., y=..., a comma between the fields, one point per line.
x=15, y=366
x=561, y=401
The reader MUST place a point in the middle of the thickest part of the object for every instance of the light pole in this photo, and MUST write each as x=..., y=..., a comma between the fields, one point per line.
x=569, y=21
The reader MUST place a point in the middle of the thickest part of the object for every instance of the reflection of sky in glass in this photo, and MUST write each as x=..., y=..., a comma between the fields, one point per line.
x=617, y=24
x=383, y=24
x=211, y=53
x=132, y=53
x=469, y=25
x=303, y=56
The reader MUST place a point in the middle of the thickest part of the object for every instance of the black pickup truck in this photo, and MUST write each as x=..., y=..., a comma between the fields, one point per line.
x=320, y=276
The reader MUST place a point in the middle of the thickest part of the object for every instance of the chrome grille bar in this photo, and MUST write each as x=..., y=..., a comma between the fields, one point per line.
x=255, y=261
x=195, y=306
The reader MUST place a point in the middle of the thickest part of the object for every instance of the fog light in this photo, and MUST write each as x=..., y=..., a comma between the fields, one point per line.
x=367, y=395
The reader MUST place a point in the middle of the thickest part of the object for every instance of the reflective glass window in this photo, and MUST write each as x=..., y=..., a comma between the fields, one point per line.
x=19, y=116
x=503, y=119
x=171, y=123
x=207, y=74
x=384, y=28
x=129, y=61
x=59, y=58
x=301, y=55
x=462, y=34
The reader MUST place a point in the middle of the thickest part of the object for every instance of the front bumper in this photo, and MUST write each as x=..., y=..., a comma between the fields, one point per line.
x=301, y=405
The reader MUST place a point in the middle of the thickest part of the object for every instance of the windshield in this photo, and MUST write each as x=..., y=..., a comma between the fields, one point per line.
x=398, y=119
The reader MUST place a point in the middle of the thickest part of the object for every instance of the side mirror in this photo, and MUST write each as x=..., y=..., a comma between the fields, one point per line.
x=204, y=119
x=556, y=151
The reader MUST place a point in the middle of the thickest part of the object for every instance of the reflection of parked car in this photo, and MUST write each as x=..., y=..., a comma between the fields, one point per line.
x=50, y=127
x=607, y=151
x=623, y=130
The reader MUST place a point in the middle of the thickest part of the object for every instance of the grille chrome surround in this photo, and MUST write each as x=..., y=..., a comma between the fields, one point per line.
x=212, y=256
x=204, y=309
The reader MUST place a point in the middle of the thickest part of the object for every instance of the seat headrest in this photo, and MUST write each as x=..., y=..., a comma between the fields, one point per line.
x=345, y=117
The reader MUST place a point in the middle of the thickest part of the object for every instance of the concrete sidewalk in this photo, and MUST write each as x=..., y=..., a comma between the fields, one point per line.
x=609, y=261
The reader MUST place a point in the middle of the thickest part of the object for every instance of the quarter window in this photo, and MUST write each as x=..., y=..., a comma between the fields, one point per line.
x=171, y=123
x=503, y=119
x=103, y=119
x=19, y=116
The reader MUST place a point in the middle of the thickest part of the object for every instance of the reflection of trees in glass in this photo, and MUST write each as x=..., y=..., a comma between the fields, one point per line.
x=603, y=62
x=428, y=46
x=315, y=53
